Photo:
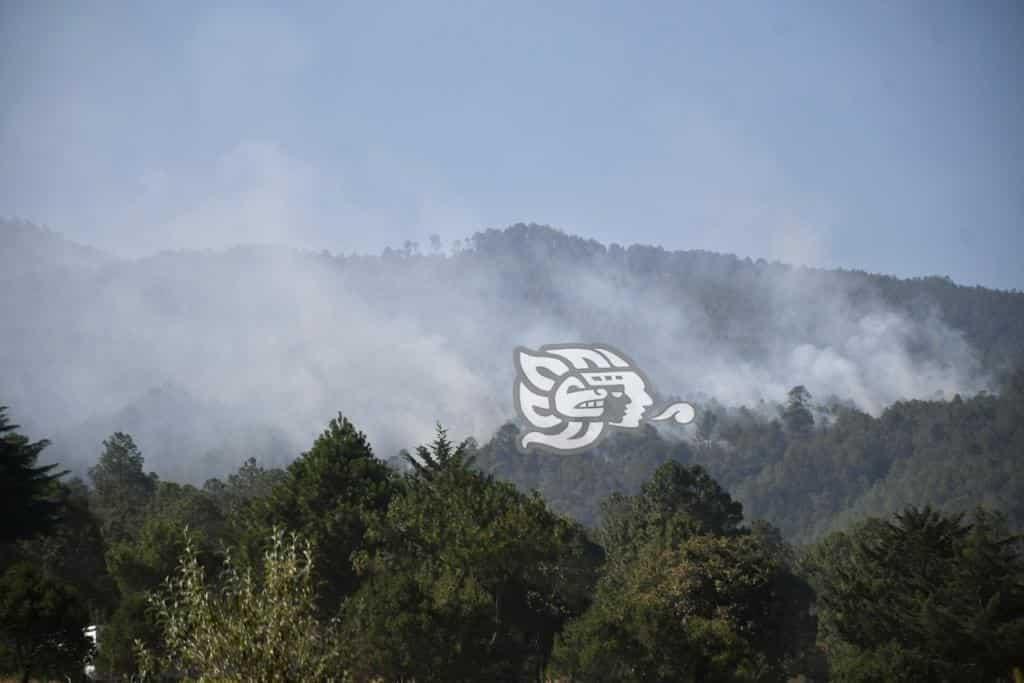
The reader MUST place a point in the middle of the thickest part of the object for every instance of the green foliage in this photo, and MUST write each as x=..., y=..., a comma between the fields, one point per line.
x=330, y=495
x=122, y=489
x=142, y=554
x=132, y=622
x=448, y=573
x=951, y=454
x=469, y=580
x=688, y=595
x=247, y=627
x=712, y=608
x=28, y=504
x=442, y=456
x=73, y=552
x=251, y=482
x=576, y=485
x=143, y=562
x=678, y=502
x=922, y=596
x=42, y=629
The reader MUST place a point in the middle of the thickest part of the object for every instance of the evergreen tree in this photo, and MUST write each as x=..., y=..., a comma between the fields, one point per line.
x=329, y=496
x=921, y=596
x=469, y=579
x=122, y=489
x=28, y=492
x=797, y=416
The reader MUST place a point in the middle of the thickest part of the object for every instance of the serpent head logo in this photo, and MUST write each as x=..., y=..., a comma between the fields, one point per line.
x=571, y=393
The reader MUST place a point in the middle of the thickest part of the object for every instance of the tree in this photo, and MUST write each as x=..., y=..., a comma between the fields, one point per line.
x=73, y=553
x=42, y=632
x=679, y=501
x=921, y=596
x=441, y=457
x=330, y=494
x=797, y=416
x=122, y=489
x=250, y=626
x=140, y=564
x=468, y=579
x=711, y=608
x=251, y=482
x=687, y=594
x=28, y=493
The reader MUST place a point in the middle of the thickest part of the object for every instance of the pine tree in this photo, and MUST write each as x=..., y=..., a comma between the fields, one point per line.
x=28, y=493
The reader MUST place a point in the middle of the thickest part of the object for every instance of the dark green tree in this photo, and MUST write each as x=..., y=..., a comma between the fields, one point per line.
x=469, y=580
x=141, y=564
x=328, y=497
x=122, y=489
x=679, y=501
x=42, y=630
x=921, y=596
x=73, y=552
x=29, y=503
x=687, y=594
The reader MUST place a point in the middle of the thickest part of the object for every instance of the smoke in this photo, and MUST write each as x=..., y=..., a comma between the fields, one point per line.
x=265, y=338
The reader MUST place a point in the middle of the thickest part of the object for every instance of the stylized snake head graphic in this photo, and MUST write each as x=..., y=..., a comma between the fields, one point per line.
x=570, y=393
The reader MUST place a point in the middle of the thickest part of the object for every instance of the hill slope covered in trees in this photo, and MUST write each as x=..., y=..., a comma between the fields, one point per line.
x=209, y=358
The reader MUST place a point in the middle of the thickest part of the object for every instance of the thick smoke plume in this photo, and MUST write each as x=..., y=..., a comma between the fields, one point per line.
x=212, y=356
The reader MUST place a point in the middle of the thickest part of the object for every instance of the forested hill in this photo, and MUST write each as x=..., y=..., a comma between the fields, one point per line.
x=208, y=355
x=736, y=292
x=807, y=471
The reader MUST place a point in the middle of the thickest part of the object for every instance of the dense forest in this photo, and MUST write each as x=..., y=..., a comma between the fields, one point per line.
x=807, y=475
x=342, y=566
x=847, y=505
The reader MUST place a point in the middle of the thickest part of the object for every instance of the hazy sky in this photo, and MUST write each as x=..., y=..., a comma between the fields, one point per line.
x=881, y=136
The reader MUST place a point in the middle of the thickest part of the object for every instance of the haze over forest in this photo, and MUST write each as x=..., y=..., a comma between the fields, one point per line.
x=264, y=270
x=208, y=357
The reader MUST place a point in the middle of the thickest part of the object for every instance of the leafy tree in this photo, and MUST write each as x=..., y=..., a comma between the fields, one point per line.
x=42, y=632
x=28, y=501
x=687, y=594
x=921, y=596
x=249, y=626
x=711, y=608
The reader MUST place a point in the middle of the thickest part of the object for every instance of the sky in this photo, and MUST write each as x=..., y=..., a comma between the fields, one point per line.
x=877, y=136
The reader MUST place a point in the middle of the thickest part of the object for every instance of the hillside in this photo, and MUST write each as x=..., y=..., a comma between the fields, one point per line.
x=285, y=339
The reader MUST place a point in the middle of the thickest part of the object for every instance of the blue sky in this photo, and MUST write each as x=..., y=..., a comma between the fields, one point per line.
x=879, y=136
